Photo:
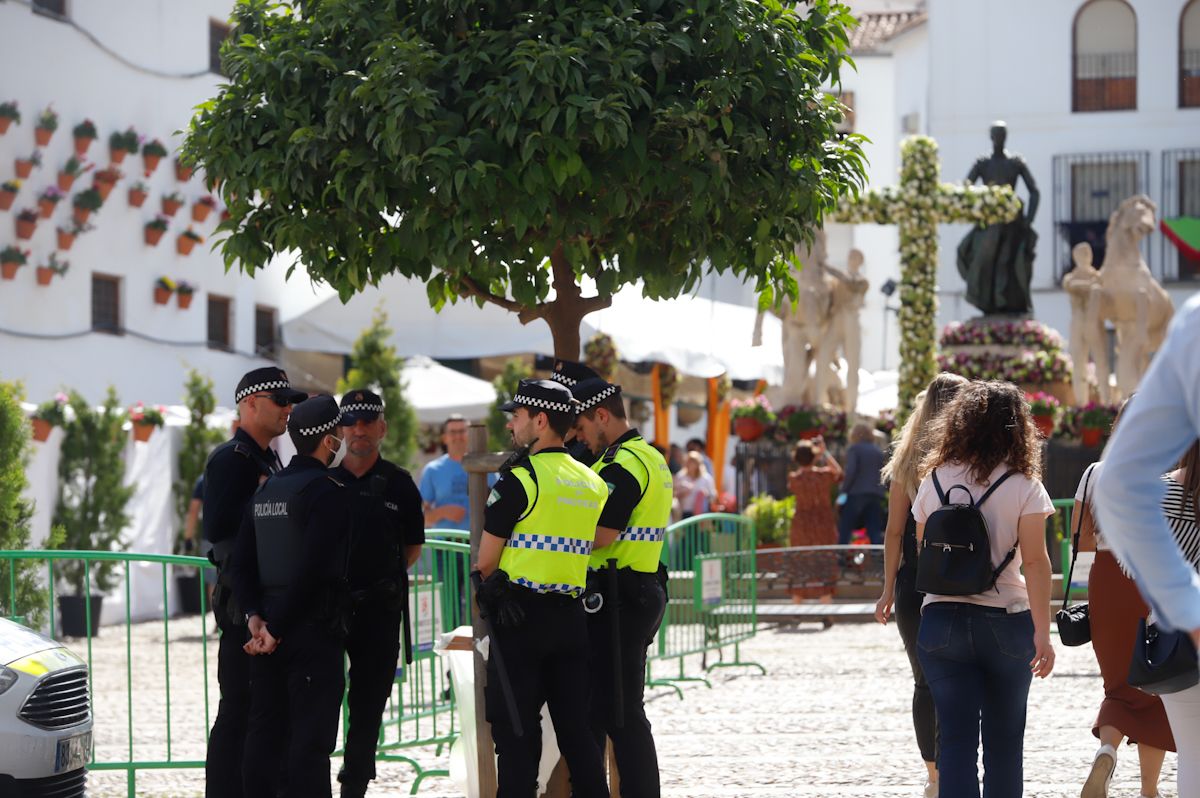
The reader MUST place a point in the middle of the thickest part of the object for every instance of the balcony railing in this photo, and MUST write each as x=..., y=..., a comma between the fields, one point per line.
x=1105, y=82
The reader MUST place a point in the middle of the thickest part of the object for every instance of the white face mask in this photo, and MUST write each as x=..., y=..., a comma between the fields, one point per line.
x=340, y=454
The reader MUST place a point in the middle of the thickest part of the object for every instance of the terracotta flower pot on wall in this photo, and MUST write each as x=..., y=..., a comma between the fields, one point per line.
x=1090, y=436
x=44, y=275
x=200, y=211
x=748, y=429
x=151, y=162
x=42, y=136
x=65, y=239
x=142, y=432
x=182, y=173
x=8, y=269
x=80, y=215
x=25, y=229
x=65, y=181
x=4, y=123
x=41, y=429
x=153, y=235
x=1045, y=425
x=161, y=295
x=136, y=198
x=6, y=199
x=184, y=300
x=104, y=186
x=24, y=167
x=82, y=143
x=184, y=245
x=170, y=206
x=46, y=208
x=116, y=156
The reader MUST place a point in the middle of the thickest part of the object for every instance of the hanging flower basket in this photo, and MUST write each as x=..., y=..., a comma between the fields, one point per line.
x=48, y=201
x=122, y=143
x=80, y=215
x=152, y=154
x=46, y=125
x=8, y=269
x=182, y=173
x=41, y=429
x=748, y=428
x=4, y=123
x=171, y=204
x=85, y=134
x=24, y=167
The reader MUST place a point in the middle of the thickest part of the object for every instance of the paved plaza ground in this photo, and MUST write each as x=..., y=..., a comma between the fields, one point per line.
x=830, y=718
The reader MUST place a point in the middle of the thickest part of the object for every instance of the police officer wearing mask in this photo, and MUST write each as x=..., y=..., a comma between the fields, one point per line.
x=289, y=574
x=570, y=374
x=630, y=531
x=264, y=399
x=537, y=534
x=387, y=532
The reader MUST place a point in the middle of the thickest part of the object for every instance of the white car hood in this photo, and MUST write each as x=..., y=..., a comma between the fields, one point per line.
x=31, y=652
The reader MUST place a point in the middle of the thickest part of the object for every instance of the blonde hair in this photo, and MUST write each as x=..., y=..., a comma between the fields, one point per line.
x=862, y=433
x=698, y=460
x=915, y=441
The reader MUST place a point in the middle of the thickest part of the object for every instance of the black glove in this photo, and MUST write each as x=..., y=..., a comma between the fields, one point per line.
x=188, y=546
x=495, y=599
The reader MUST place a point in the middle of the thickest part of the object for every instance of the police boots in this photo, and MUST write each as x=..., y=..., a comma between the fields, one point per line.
x=354, y=789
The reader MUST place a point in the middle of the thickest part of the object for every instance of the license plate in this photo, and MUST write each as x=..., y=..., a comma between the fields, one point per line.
x=73, y=753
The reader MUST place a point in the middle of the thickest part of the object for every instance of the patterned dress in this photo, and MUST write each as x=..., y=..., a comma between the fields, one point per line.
x=815, y=524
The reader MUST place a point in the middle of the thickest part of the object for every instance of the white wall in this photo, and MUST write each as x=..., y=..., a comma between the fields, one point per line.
x=58, y=65
x=1012, y=61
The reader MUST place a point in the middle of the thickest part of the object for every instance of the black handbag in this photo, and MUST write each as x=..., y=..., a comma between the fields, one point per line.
x=1074, y=623
x=1163, y=662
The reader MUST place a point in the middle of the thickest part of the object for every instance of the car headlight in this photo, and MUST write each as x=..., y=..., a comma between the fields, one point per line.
x=8, y=677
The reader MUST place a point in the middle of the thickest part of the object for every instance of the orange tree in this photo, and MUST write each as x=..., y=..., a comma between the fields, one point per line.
x=497, y=149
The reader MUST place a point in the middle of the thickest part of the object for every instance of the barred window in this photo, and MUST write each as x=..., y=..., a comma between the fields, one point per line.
x=1105, y=58
x=106, y=304
x=219, y=335
x=1189, y=56
x=264, y=331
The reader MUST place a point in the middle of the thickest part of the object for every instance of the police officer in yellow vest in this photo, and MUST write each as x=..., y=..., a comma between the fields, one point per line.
x=630, y=531
x=537, y=536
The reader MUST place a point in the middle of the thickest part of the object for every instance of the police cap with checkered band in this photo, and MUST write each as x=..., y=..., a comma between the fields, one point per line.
x=315, y=415
x=270, y=379
x=360, y=405
x=590, y=393
x=569, y=373
x=541, y=395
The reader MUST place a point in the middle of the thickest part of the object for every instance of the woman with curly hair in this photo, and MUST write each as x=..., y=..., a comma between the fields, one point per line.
x=900, y=555
x=980, y=652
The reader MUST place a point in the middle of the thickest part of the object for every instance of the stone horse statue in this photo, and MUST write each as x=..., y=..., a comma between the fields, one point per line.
x=1123, y=292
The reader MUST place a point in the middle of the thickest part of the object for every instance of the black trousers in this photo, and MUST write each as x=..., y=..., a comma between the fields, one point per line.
x=296, y=694
x=227, y=740
x=548, y=662
x=908, y=620
x=642, y=604
x=373, y=646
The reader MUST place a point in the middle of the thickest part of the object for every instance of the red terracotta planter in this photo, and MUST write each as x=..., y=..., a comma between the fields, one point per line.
x=65, y=240
x=808, y=434
x=24, y=168
x=153, y=235
x=748, y=429
x=6, y=199
x=82, y=143
x=142, y=432
x=25, y=229
x=65, y=181
x=41, y=429
x=136, y=198
x=46, y=208
x=161, y=295
x=8, y=269
x=182, y=173
x=42, y=136
x=116, y=156
x=1045, y=425
x=1090, y=436
x=104, y=186
x=4, y=123
x=80, y=215
x=151, y=162
x=184, y=300
x=184, y=245
x=200, y=211
x=170, y=207
x=44, y=275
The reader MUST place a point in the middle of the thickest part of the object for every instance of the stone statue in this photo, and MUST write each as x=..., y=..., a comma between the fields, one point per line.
x=997, y=261
x=1132, y=299
x=1085, y=288
x=823, y=323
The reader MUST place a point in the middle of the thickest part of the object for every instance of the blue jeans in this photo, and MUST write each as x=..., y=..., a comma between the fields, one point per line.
x=976, y=660
x=861, y=509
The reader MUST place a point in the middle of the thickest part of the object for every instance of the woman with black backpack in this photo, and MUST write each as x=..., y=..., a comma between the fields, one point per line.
x=985, y=629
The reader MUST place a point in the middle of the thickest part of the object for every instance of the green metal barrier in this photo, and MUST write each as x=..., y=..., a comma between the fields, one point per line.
x=1067, y=508
x=691, y=626
x=130, y=738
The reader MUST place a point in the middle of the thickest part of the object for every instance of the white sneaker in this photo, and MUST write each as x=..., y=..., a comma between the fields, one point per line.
x=931, y=789
x=1103, y=766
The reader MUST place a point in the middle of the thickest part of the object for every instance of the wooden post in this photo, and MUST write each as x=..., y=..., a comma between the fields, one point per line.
x=478, y=463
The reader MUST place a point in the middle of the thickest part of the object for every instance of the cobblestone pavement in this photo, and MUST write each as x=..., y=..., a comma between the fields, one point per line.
x=830, y=718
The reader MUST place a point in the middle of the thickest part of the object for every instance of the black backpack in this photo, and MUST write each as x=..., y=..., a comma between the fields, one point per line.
x=956, y=551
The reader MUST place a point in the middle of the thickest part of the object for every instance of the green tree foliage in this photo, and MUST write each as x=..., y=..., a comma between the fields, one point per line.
x=198, y=440
x=92, y=498
x=375, y=365
x=506, y=386
x=26, y=600
x=497, y=148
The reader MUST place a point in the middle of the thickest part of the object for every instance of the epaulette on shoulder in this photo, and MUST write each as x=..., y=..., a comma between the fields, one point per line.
x=610, y=454
x=242, y=449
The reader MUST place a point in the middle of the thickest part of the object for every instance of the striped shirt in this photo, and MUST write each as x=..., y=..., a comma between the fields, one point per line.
x=1180, y=510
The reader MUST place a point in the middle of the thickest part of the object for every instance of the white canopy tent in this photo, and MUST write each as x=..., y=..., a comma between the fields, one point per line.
x=436, y=392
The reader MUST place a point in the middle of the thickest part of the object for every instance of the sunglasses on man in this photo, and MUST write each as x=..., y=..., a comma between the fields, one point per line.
x=280, y=399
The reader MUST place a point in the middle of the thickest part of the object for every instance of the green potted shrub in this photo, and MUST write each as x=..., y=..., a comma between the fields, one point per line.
x=8, y=193
x=121, y=144
x=171, y=203
x=751, y=417
x=154, y=230
x=91, y=508
x=1095, y=422
x=46, y=125
x=188, y=239
x=85, y=134
x=8, y=115
x=86, y=202
x=153, y=152
x=145, y=420
x=24, y=166
x=163, y=288
x=11, y=259
x=1043, y=407
x=772, y=519
x=800, y=421
x=48, y=200
x=26, y=222
x=73, y=168
x=51, y=268
x=184, y=291
x=49, y=415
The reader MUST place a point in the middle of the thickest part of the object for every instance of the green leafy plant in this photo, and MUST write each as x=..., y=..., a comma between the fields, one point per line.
x=85, y=130
x=1097, y=416
x=75, y=167
x=772, y=518
x=28, y=215
x=8, y=110
x=174, y=196
x=92, y=499
x=159, y=222
x=756, y=407
x=192, y=234
x=51, y=194
x=184, y=288
x=521, y=147
x=505, y=384
x=154, y=147
x=140, y=414
x=11, y=254
x=197, y=441
x=375, y=364
x=126, y=140
x=88, y=199
x=48, y=119
x=11, y=186
x=54, y=411
x=59, y=267
x=795, y=419
x=1042, y=404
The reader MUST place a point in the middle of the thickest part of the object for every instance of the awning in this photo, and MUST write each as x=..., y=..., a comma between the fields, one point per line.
x=437, y=392
x=1184, y=233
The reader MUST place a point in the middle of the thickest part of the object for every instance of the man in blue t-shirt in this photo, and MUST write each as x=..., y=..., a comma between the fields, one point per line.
x=444, y=482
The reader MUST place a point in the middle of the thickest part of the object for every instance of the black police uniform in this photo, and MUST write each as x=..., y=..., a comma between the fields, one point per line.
x=231, y=476
x=289, y=568
x=386, y=518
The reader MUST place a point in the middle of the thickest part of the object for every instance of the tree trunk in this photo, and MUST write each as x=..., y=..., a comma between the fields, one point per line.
x=566, y=312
